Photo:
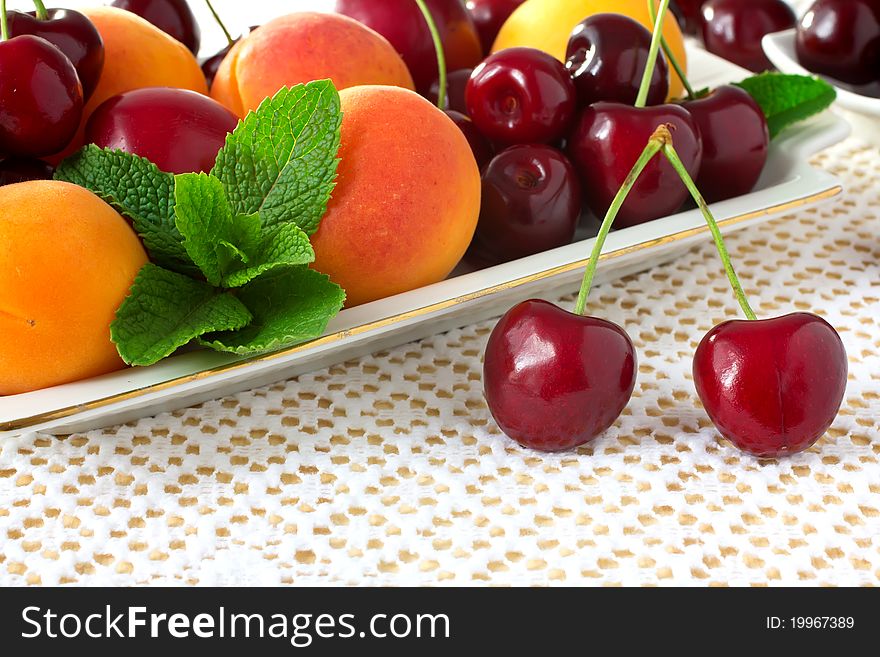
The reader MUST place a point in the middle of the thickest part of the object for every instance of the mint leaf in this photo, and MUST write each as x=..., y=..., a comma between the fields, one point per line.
x=281, y=160
x=136, y=188
x=166, y=310
x=788, y=99
x=283, y=246
x=289, y=306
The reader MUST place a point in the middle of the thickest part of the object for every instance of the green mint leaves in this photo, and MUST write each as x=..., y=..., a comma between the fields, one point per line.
x=230, y=250
x=788, y=99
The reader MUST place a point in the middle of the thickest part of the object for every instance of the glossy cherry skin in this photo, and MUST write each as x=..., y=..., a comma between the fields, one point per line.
x=489, y=16
x=212, y=64
x=73, y=34
x=480, y=146
x=735, y=142
x=531, y=203
x=521, y=96
x=607, y=55
x=772, y=387
x=733, y=29
x=179, y=131
x=689, y=14
x=16, y=170
x=174, y=17
x=456, y=83
x=402, y=23
x=607, y=142
x=841, y=39
x=41, y=98
x=554, y=380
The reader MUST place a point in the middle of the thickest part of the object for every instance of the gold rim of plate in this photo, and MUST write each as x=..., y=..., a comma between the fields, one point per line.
x=62, y=413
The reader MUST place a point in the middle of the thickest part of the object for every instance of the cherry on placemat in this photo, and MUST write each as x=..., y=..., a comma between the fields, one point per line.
x=174, y=17
x=733, y=29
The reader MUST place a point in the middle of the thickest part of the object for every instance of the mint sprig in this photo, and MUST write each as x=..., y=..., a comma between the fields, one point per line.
x=788, y=99
x=230, y=250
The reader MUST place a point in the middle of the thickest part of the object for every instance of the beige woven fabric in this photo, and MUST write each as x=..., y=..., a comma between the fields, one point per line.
x=390, y=470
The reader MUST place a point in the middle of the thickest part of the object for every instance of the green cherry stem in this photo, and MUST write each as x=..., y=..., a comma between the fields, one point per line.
x=670, y=56
x=217, y=18
x=642, y=98
x=678, y=165
x=42, y=14
x=660, y=137
x=441, y=56
x=4, y=22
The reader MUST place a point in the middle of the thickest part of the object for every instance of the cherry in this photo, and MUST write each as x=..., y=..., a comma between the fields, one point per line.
x=179, y=131
x=16, y=170
x=841, y=39
x=41, y=97
x=531, y=203
x=689, y=14
x=456, y=83
x=480, y=146
x=489, y=16
x=735, y=142
x=605, y=144
x=521, y=95
x=402, y=23
x=607, y=55
x=772, y=387
x=212, y=64
x=174, y=17
x=733, y=29
x=554, y=380
x=72, y=33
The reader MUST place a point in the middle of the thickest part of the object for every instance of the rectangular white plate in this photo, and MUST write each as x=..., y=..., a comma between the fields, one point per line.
x=787, y=184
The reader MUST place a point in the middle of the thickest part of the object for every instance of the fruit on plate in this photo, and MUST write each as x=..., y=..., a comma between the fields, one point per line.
x=41, y=99
x=21, y=169
x=774, y=386
x=67, y=261
x=406, y=222
x=841, y=39
x=402, y=23
x=531, y=203
x=174, y=17
x=735, y=140
x=733, y=29
x=548, y=24
x=607, y=55
x=72, y=33
x=302, y=47
x=180, y=131
x=489, y=16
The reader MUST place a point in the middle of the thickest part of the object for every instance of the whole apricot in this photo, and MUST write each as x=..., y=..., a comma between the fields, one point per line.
x=67, y=261
x=407, y=198
x=302, y=47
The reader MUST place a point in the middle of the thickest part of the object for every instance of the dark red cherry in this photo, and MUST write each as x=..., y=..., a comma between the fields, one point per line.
x=41, y=98
x=456, y=83
x=531, y=203
x=173, y=17
x=607, y=55
x=19, y=169
x=212, y=64
x=841, y=39
x=689, y=14
x=402, y=23
x=73, y=34
x=772, y=387
x=521, y=96
x=179, y=131
x=489, y=16
x=607, y=142
x=733, y=29
x=480, y=146
x=735, y=142
x=554, y=380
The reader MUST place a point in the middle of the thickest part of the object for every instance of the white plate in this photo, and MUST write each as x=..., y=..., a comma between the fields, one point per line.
x=780, y=49
x=787, y=184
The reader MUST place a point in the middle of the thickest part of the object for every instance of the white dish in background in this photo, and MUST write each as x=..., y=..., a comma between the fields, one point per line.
x=787, y=184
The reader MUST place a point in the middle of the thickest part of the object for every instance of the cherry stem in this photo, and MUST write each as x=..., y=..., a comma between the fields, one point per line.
x=656, y=37
x=4, y=22
x=670, y=56
x=441, y=56
x=678, y=165
x=217, y=18
x=660, y=137
x=42, y=14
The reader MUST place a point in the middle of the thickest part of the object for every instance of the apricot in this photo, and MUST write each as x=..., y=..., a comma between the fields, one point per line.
x=302, y=47
x=67, y=261
x=407, y=198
